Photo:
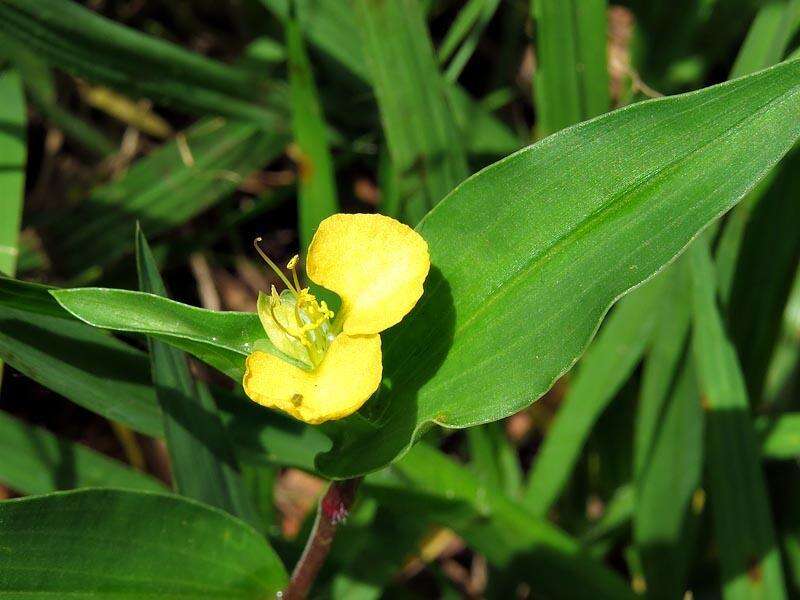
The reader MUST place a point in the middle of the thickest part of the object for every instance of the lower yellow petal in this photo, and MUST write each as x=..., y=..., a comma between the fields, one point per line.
x=347, y=376
x=375, y=264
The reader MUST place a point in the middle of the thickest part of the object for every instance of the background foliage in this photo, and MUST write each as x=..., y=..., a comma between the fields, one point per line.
x=597, y=395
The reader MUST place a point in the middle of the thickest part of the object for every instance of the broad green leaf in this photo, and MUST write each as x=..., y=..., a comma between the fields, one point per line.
x=571, y=78
x=122, y=544
x=603, y=369
x=420, y=130
x=524, y=547
x=317, y=186
x=222, y=339
x=163, y=190
x=82, y=364
x=85, y=44
x=29, y=297
x=749, y=556
x=203, y=463
x=765, y=269
x=37, y=462
x=583, y=215
x=13, y=155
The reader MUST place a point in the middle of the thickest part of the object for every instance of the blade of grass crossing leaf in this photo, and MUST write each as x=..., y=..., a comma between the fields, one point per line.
x=124, y=544
x=317, y=186
x=603, y=369
x=37, y=462
x=86, y=366
x=420, y=130
x=202, y=459
x=749, y=556
x=87, y=45
x=571, y=79
x=492, y=333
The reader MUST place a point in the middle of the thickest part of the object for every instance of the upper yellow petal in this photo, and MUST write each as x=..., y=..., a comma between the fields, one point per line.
x=347, y=376
x=375, y=264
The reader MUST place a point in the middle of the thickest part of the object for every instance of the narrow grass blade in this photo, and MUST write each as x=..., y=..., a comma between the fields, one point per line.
x=666, y=516
x=749, y=556
x=86, y=366
x=523, y=547
x=203, y=462
x=317, y=185
x=37, y=462
x=163, y=190
x=768, y=37
x=571, y=80
x=85, y=44
x=13, y=155
x=122, y=544
x=332, y=27
x=767, y=262
x=606, y=365
x=467, y=26
x=420, y=130
x=494, y=460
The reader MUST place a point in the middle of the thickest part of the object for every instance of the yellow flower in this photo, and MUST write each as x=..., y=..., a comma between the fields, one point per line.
x=332, y=365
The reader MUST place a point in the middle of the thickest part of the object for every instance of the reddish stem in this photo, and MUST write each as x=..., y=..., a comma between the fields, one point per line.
x=333, y=510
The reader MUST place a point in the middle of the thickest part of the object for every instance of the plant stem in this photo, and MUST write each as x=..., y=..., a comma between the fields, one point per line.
x=333, y=509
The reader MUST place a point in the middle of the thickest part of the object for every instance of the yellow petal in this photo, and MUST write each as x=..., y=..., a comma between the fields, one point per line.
x=375, y=264
x=339, y=386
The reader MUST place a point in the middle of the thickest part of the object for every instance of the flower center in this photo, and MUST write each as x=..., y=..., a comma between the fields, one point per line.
x=297, y=314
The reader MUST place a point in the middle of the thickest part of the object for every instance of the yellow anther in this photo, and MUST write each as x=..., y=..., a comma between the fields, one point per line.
x=292, y=264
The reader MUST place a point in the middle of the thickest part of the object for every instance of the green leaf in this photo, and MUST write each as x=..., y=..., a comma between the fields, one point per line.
x=571, y=78
x=161, y=191
x=467, y=27
x=768, y=37
x=203, y=463
x=749, y=556
x=765, y=269
x=115, y=544
x=317, y=186
x=13, y=155
x=221, y=339
x=584, y=215
x=665, y=520
x=87, y=45
x=494, y=459
x=525, y=548
x=780, y=437
x=82, y=364
x=332, y=27
x=607, y=364
x=37, y=462
x=420, y=129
